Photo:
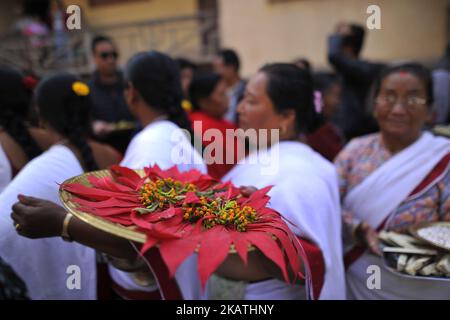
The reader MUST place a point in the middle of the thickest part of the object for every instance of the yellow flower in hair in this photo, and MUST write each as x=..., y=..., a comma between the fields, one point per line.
x=187, y=106
x=80, y=88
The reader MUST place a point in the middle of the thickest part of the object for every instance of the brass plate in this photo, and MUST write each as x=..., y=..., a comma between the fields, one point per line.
x=116, y=229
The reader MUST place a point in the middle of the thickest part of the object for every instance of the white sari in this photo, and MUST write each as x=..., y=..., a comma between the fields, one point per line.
x=5, y=170
x=45, y=264
x=375, y=199
x=163, y=143
x=305, y=192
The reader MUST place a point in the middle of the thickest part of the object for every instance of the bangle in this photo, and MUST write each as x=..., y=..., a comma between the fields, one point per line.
x=65, y=229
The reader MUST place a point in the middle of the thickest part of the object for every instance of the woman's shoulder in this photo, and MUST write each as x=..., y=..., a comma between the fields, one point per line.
x=363, y=141
x=104, y=154
x=359, y=145
x=42, y=138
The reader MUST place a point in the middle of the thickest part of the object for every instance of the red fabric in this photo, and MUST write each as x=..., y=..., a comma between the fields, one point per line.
x=357, y=251
x=215, y=170
x=326, y=140
x=316, y=265
x=168, y=286
x=433, y=175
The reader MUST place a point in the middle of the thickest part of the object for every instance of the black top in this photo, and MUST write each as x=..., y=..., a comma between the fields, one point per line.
x=108, y=100
x=357, y=76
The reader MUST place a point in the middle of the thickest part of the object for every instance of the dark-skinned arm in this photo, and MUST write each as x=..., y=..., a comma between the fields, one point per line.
x=36, y=218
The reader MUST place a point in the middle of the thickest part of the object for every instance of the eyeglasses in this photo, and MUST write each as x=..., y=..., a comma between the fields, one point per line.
x=411, y=102
x=106, y=55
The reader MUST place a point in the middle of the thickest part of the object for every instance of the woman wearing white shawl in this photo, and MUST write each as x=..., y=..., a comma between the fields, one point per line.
x=44, y=264
x=153, y=95
x=392, y=181
x=304, y=189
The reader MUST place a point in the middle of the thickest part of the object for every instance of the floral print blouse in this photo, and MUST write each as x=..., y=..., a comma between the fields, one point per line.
x=364, y=155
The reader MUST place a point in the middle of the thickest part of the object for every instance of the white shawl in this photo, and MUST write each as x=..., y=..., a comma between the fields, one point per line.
x=163, y=143
x=374, y=199
x=43, y=263
x=305, y=192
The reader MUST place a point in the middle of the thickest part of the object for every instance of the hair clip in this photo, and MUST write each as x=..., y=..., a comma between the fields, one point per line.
x=318, y=101
x=29, y=82
x=80, y=88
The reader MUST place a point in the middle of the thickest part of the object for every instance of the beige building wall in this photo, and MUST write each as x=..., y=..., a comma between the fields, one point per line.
x=264, y=31
x=132, y=11
x=122, y=22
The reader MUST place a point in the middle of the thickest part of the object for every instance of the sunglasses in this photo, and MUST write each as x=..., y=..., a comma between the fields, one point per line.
x=106, y=55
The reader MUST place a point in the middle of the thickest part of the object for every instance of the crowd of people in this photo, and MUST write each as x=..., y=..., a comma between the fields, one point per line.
x=355, y=156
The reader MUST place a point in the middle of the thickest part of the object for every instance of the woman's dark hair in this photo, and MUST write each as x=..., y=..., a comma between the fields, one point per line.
x=324, y=81
x=15, y=100
x=67, y=112
x=156, y=77
x=305, y=63
x=98, y=39
x=202, y=86
x=291, y=88
x=416, y=69
x=230, y=58
x=184, y=63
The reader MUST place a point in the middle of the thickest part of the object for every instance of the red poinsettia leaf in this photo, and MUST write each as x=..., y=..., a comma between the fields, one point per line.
x=191, y=197
x=106, y=183
x=156, y=230
x=204, y=182
x=126, y=221
x=110, y=203
x=172, y=172
x=104, y=212
x=97, y=194
x=241, y=245
x=270, y=249
x=214, y=248
x=128, y=173
x=230, y=193
x=127, y=182
x=291, y=250
x=223, y=185
x=118, y=186
x=259, y=194
x=161, y=215
x=174, y=252
x=153, y=171
x=150, y=243
x=258, y=204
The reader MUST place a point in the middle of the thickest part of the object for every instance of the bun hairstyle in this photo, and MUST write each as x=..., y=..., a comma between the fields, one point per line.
x=156, y=77
x=64, y=103
x=15, y=101
x=291, y=88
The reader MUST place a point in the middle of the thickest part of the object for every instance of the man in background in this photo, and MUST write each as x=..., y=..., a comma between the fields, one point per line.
x=112, y=119
x=227, y=64
x=344, y=48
